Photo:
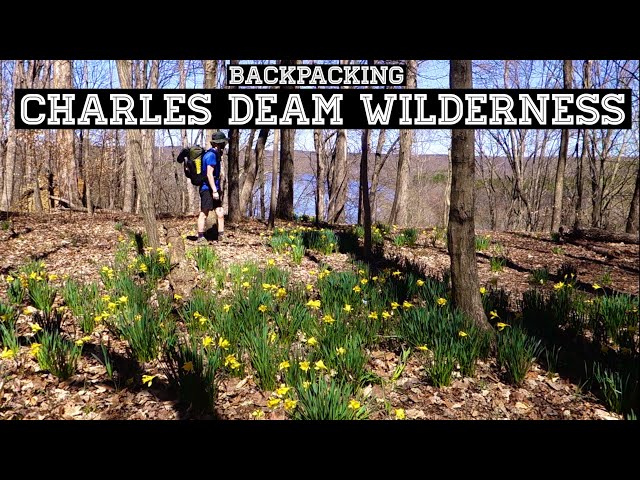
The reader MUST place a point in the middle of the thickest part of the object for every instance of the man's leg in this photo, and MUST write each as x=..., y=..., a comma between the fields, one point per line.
x=202, y=222
x=220, y=215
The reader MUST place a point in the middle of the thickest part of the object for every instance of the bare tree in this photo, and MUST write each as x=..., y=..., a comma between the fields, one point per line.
x=461, y=232
x=556, y=218
x=318, y=141
x=137, y=153
x=274, y=179
x=586, y=84
x=399, y=209
x=364, y=191
x=284, y=208
x=632, y=218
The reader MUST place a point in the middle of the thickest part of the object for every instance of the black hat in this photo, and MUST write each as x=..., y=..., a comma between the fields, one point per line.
x=219, y=137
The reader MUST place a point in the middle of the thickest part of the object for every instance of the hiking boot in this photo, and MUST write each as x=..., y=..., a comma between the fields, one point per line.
x=201, y=241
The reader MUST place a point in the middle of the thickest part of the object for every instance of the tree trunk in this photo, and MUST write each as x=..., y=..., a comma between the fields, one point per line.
x=447, y=193
x=586, y=84
x=250, y=172
x=556, y=217
x=339, y=180
x=6, y=200
x=274, y=178
x=399, y=214
x=364, y=191
x=318, y=141
x=233, y=175
x=632, y=218
x=136, y=153
x=461, y=232
x=67, y=171
x=284, y=208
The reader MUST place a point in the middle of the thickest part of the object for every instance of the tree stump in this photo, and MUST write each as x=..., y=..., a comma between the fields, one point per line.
x=182, y=277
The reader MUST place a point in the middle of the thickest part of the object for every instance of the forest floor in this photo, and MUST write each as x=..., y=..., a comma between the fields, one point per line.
x=78, y=245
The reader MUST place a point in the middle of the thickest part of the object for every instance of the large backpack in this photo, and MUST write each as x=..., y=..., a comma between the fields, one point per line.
x=191, y=159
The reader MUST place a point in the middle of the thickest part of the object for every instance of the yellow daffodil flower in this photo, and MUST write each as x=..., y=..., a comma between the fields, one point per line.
x=493, y=314
x=206, y=341
x=354, y=404
x=223, y=343
x=147, y=379
x=271, y=262
x=397, y=273
x=309, y=287
x=346, y=308
x=319, y=365
x=422, y=347
x=596, y=286
x=246, y=284
x=357, y=289
x=364, y=281
x=257, y=414
x=9, y=279
x=262, y=308
x=226, y=307
x=385, y=314
x=304, y=366
x=177, y=297
x=328, y=319
x=441, y=301
x=273, y=402
x=312, y=341
x=394, y=305
x=462, y=334
x=341, y=350
x=306, y=384
x=35, y=348
x=400, y=415
x=290, y=404
x=35, y=328
x=559, y=286
x=373, y=315
x=284, y=365
x=501, y=326
x=7, y=354
x=283, y=390
x=406, y=305
x=314, y=304
x=483, y=290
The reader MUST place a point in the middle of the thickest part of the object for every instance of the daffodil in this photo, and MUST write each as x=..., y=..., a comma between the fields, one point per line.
x=246, y=284
x=385, y=314
x=304, y=366
x=266, y=286
x=314, y=304
x=354, y=404
x=244, y=269
x=35, y=328
x=420, y=282
x=596, y=286
x=271, y=262
x=52, y=277
x=328, y=319
x=290, y=404
x=29, y=310
x=400, y=415
x=35, y=348
x=147, y=379
x=309, y=287
x=281, y=293
x=357, y=289
x=9, y=279
x=188, y=366
x=364, y=281
x=7, y=354
x=397, y=273
x=284, y=365
x=272, y=337
x=483, y=290
x=306, y=384
x=406, y=305
x=273, y=402
x=441, y=301
x=493, y=314
x=559, y=286
x=341, y=350
x=257, y=414
x=223, y=343
x=226, y=307
x=206, y=341
x=394, y=305
x=282, y=390
x=462, y=334
x=312, y=341
x=501, y=326
x=422, y=347
x=373, y=315
x=346, y=308
x=177, y=297
x=319, y=365
x=262, y=308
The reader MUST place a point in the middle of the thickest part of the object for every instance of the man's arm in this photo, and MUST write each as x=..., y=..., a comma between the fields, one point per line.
x=212, y=183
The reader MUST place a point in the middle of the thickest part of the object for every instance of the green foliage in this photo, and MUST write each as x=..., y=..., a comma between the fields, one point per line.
x=497, y=263
x=324, y=240
x=482, y=242
x=206, y=259
x=193, y=369
x=263, y=356
x=15, y=291
x=539, y=276
x=58, y=354
x=400, y=240
x=326, y=399
x=9, y=337
x=297, y=253
x=5, y=225
x=557, y=250
x=84, y=301
x=142, y=330
x=440, y=368
x=516, y=353
x=8, y=315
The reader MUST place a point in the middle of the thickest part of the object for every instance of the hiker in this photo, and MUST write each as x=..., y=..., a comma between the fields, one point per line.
x=210, y=192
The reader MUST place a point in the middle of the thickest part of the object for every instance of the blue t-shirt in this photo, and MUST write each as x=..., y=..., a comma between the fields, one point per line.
x=211, y=158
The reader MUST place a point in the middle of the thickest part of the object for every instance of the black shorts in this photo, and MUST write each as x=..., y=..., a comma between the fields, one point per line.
x=207, y=202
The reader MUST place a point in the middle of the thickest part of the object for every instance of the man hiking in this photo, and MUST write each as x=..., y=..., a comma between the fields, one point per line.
x=210, y=191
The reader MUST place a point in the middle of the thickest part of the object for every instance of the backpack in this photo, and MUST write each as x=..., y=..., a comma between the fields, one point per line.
x=191, y=158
